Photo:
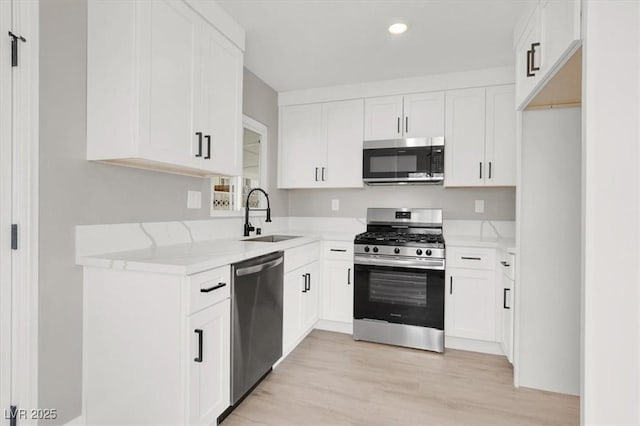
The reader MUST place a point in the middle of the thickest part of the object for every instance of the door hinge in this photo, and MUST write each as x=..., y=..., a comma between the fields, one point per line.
x=14, y=237
x=14, y=47
x=13, y=415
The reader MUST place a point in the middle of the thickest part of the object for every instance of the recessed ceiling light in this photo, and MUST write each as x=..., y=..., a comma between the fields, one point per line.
x=398, y=28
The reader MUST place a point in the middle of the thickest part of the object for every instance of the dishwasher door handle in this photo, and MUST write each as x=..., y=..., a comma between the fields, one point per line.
x=258, y=268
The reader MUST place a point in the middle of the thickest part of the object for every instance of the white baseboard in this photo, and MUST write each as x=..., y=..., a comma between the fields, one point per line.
x=76, y=421
x=337, y=326
x=493, y=348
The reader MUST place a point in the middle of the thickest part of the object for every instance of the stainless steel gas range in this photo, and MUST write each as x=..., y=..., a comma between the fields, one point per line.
x=399, y=279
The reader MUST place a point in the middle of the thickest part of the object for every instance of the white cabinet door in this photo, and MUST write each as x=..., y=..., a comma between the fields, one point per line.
x=382, y=118
x=507, y=316
x=209, y=363
x=560, y=21
x=343, y=135
x=500, y=141
x=528, y=57
x=470, y=310
x=464, y=138
x=424, y=115
x=294, y=286
x=303, y=153
x=311, y=298
x=219, y=113
x=337, y=291
x=170, y=30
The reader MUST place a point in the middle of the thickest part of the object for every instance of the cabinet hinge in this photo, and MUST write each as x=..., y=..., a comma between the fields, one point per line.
x=13, y=415
x=14, y=237
x=14, y=47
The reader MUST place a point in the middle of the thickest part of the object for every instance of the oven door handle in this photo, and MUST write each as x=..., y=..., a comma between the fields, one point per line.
x=397, y=262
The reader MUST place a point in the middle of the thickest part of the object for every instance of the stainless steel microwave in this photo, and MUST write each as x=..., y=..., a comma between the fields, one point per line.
x=403, y=161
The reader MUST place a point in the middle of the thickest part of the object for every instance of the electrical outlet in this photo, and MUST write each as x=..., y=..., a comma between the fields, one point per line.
x=335, y=205
x=479, y=206
x=194, y=199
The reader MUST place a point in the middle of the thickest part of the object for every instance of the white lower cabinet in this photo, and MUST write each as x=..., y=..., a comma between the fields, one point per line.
x=156, y=347
x=507, y=278
x=470, y=310
x=300, y=303
x=210, y=363
x=337, y=291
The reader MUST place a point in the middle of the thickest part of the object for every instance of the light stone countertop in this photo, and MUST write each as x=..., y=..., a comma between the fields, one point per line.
x=506, y=244
x=192, y=258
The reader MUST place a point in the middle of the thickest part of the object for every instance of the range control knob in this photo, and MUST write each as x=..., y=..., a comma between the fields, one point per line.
x=375, y=249
x=396, y=250
x=366, y=249
x=419, y=252
x=428, y=252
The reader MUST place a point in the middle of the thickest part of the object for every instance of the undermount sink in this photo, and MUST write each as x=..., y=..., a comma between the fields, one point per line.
x=273, y=238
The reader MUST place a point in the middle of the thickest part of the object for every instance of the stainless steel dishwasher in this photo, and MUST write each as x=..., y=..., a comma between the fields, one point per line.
x=256, y=325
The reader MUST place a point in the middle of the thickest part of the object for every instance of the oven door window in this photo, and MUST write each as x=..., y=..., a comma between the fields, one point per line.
x=394, y=162
x=399, y=295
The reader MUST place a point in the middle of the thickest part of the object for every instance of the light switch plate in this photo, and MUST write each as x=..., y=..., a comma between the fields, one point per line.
x=194, y=199
x=335, y=205
x=479, y=206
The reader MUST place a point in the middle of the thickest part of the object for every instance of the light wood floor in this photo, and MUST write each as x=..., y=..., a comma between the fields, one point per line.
x=329, y=379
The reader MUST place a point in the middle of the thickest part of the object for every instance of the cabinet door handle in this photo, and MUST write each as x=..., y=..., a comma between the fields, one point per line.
x=200, y=334
x=316, y=174
x=322, y=174
x=470, y=258
x=489, y=169
x=210, y=289
x=481, y=170
x=505, y=263
x=308, y=281
x=208, y=138
x=451, y=285
x=398, y=125
x=349, y=276
x=529, y=60
x=504, y=298
x=199, y=135
x=406, y=124
x=305, y=283
x=533, y=57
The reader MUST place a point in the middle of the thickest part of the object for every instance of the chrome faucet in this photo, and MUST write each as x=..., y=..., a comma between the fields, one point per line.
x=247, y=225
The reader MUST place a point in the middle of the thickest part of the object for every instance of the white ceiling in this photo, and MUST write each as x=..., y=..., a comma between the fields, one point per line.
x=300, y=44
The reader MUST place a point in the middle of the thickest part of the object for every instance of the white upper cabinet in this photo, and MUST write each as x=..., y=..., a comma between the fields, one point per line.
x=321, y=145
x=464, y=138
x=383, y=118
x=544, y=42
x=480, y=137
x=500, y=139
x=424, y=115
x=164, y=89
x=410, y=116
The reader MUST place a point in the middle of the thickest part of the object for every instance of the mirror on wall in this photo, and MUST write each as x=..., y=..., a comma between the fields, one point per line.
x=229, y=193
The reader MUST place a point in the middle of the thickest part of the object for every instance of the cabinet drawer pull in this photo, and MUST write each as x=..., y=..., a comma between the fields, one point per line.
x=349, y=276
x=505, y=264
x=215, y=287
x=199, y=135
x=504, y=298
x=340, y=250
x=208, y=138
x=200, y=334
x=470, y=258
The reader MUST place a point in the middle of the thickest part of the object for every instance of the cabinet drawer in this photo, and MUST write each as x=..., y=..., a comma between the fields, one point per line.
x=208, y=288
x=471, y=258
x=338, y=250
x=508, y=265
x=300, y=256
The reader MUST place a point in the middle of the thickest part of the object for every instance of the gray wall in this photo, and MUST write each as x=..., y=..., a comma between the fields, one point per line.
x=457, y=203
x=549, y=259
x=74, y=191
